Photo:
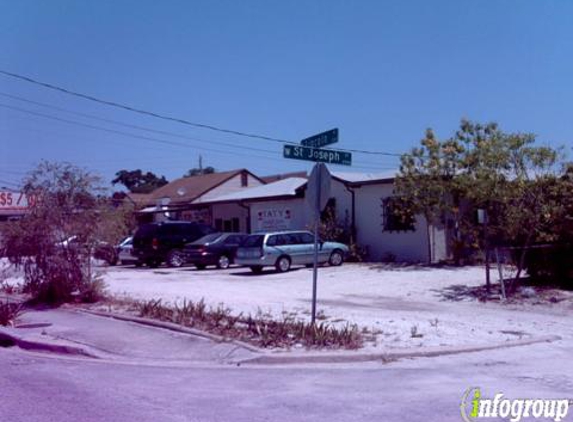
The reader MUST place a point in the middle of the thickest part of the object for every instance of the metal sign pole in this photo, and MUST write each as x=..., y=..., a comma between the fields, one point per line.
x=315, y=267
x=311, y=150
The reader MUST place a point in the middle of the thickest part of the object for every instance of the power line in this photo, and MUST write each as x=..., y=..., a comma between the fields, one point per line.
x=138, y=127
x=20, y=173
x=173, y=119
x=148, y=138
x=6, y=182
x=132, y=126
x=118, y=132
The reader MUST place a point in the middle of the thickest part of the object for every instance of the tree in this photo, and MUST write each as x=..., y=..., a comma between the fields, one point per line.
x=199, y=171
x=426, y=184
x=506, y=175
x=138, y=182
x=54, y=242
x=482, y=167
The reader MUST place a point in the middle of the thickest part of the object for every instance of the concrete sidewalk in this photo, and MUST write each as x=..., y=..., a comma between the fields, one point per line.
x=82, y=334
x=138, y=340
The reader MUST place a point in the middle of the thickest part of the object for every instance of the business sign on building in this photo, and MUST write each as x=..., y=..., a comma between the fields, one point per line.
x=15, y=203
x=271, y=219
x=200, y=215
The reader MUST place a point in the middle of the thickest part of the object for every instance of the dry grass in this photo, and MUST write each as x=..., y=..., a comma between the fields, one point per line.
x=9, y=312
x=259, y=329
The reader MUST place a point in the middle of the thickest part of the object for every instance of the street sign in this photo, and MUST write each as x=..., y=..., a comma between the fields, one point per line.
x=322, y=139
x=330, y=156
x=318, y=185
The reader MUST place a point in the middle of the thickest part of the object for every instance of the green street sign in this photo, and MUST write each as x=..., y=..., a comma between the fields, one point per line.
x=329, y=156
x=322, y=139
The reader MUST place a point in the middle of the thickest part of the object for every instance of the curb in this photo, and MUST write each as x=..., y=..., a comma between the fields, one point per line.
x=172, y=327
x=44, y=345
x=269, y=359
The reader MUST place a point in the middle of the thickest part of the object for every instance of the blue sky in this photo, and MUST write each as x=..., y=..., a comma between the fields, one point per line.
x=381, y=71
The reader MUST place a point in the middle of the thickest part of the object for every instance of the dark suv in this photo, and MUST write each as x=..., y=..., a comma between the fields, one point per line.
x=155, y=243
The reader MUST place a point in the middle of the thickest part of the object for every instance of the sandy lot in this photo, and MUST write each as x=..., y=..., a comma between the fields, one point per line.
x=403, y=306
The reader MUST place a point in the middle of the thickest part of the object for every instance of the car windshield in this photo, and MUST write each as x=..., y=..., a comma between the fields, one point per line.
x=210, y=238
x=253, y=241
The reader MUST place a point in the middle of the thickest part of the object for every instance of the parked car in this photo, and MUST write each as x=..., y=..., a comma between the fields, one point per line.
x=287, y=248
x=214, y=249
x=125, y=252
x=155, y=243
x=101, y=250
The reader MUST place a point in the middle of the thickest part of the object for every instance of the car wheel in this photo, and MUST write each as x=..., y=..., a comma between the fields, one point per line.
x=223, y=262
x=138, y=264
x=200, y=266
x=336, y=258
x=175, y=259
x=257, y=269
x=283, y=264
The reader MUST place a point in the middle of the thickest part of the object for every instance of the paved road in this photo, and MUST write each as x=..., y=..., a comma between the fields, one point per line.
x=47, y=388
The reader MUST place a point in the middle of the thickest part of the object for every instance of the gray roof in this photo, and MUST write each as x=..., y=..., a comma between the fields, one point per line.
x=285, y=187
x=364, y=177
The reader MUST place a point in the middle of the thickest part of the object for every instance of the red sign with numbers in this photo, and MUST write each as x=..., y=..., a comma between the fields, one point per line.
x=15, y=202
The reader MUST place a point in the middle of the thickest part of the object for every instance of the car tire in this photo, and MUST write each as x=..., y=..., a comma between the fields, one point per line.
x=138, y=264
x=200, y=266
x=336, y=258
x=283, y=264
x=175, y=259
x=223, y=262
x=257, y=269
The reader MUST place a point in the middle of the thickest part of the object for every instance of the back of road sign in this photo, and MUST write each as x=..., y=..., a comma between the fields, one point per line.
x=318, y=187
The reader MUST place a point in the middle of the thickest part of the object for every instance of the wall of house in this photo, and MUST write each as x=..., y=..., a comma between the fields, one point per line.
x=405, y=246
x=228, y=212
x=343, y=200
x=409, y=246
x=230, y=186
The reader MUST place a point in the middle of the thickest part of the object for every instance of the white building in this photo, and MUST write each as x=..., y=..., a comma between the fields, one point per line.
x=362, y=202
x=239, y=201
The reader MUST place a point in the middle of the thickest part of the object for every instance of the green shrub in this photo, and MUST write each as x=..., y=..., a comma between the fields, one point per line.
x=55, y=241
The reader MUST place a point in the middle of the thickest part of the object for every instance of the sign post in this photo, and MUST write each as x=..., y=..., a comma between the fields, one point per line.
x=318, y=191
x=318, y=186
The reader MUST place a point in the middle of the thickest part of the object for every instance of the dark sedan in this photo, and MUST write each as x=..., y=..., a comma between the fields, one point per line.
x=214, y=249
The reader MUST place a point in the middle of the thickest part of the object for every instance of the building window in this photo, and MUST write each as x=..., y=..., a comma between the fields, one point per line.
x=219, y=224
x=244, y=179
x=396, y=215
x=236, y=227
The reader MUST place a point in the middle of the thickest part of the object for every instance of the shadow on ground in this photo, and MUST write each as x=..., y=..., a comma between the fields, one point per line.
x=395, y=266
